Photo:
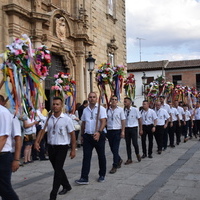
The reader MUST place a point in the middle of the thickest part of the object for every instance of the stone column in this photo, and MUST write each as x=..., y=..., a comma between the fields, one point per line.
x=79, y=77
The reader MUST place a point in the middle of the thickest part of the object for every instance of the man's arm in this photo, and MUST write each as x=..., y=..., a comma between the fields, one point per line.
x=2, y=141
x=123, y=128
x=73, y=145
x=18, y=145
x=102, y=126
x=140, y=126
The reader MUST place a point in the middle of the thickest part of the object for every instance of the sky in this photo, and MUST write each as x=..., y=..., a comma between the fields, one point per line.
x=162, y=30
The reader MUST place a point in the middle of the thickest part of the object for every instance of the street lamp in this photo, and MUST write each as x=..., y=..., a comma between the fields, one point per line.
x=144, y=82
x=90, y=63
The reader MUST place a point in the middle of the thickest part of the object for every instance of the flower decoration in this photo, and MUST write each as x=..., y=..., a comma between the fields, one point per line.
x=104, y=74
x=129, y=86
x=63, y=86
x=24, y=67
x=42, y=61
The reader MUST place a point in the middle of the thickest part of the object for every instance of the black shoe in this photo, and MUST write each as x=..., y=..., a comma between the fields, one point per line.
x=138, y=157
x=172, y=146
x=144, y=156
x=44, y=159
x=150, y=156
x=35, y=159
x=64, y=191
x=177, y=143
x=120, y=163
x=159, y=152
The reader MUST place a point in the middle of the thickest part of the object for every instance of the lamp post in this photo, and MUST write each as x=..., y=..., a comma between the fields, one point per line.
x=144, y=82
x=90, y=62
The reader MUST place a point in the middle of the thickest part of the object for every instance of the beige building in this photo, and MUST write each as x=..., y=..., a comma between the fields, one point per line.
x=70, y=29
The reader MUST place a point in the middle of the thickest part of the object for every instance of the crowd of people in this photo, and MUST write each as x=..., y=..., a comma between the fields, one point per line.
x=90, y=126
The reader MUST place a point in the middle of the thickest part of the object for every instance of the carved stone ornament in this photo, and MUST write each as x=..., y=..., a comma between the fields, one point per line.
x=61, y=28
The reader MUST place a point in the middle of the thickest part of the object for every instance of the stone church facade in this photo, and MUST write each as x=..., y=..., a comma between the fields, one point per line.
x=70, y=29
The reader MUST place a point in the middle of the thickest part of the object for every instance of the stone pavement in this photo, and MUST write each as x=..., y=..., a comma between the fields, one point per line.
x=174, y=175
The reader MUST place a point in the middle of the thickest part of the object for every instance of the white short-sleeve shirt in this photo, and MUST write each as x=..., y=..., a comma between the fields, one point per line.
x=132, y=115
x=187, y=115
x=89, y=116
x=58, y=130
x=16, y=131
x=181, y=112
x=6, y=127
x=162, y=115
x=30, y=130
x=148, y=116
x=174, y=113
x=166, y=107
x=197, y=114
x=115, y=117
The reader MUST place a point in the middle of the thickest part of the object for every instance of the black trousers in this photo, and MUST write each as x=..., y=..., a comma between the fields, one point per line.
x=114, y=138
x=88, y=145
x=147, y=130
x=196, y=127
x=171, y=133
x=57, y=156
x=131, y=134
x=159, y=136
x=6, y=190
x=177, y=130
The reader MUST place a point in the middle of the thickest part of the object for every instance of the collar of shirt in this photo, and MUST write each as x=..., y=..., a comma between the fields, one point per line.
x=61, y=115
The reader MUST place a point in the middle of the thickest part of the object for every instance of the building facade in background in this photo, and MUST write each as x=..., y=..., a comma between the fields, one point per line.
x=70, y=29
x=184, y=72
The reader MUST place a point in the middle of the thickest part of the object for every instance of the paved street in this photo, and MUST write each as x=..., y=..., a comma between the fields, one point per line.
x=174, y=175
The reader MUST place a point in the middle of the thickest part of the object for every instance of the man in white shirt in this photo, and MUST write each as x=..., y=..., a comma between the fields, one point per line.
x=6, y=158
x=162, y=123
x=197, y=120
x=60, y=133
x=182, y=121
x=133, y=120
x=93, y=124
x=149, y=122
x=174, y=125
x=166, y=130
x=115, y=131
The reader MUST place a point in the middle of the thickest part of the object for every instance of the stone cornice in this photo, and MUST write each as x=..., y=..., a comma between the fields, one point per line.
x=15, y=9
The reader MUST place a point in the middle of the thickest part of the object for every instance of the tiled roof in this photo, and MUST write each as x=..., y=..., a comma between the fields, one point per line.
x=158, y=65
x=141, y=66
x=183, y=64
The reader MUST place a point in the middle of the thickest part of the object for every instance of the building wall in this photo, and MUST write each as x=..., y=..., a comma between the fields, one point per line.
x=188, y=76
x=88, y=27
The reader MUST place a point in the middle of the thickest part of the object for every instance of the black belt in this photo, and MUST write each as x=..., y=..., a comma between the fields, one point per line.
x=3, y=153
x=147, y=125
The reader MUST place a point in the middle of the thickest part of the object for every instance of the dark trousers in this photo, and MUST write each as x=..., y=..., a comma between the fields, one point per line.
x=114, y=138
x=35, y=153
x=171, y=133
x=165, y=137
x=190, y=128
x=159, y=132
x=88, y=145
x=196, y=127
x=147, y=130
x=6, y=190
x=185, y=129
x=57, y=156
x=177, y=129
x=131, y=134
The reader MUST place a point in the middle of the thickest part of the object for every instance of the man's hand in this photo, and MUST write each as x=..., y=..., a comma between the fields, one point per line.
x=37, y=146
x=72, y=154
x=15, y=165
x=122, y=134
x=153, y=129
x=141, y=132
x=96, y=136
